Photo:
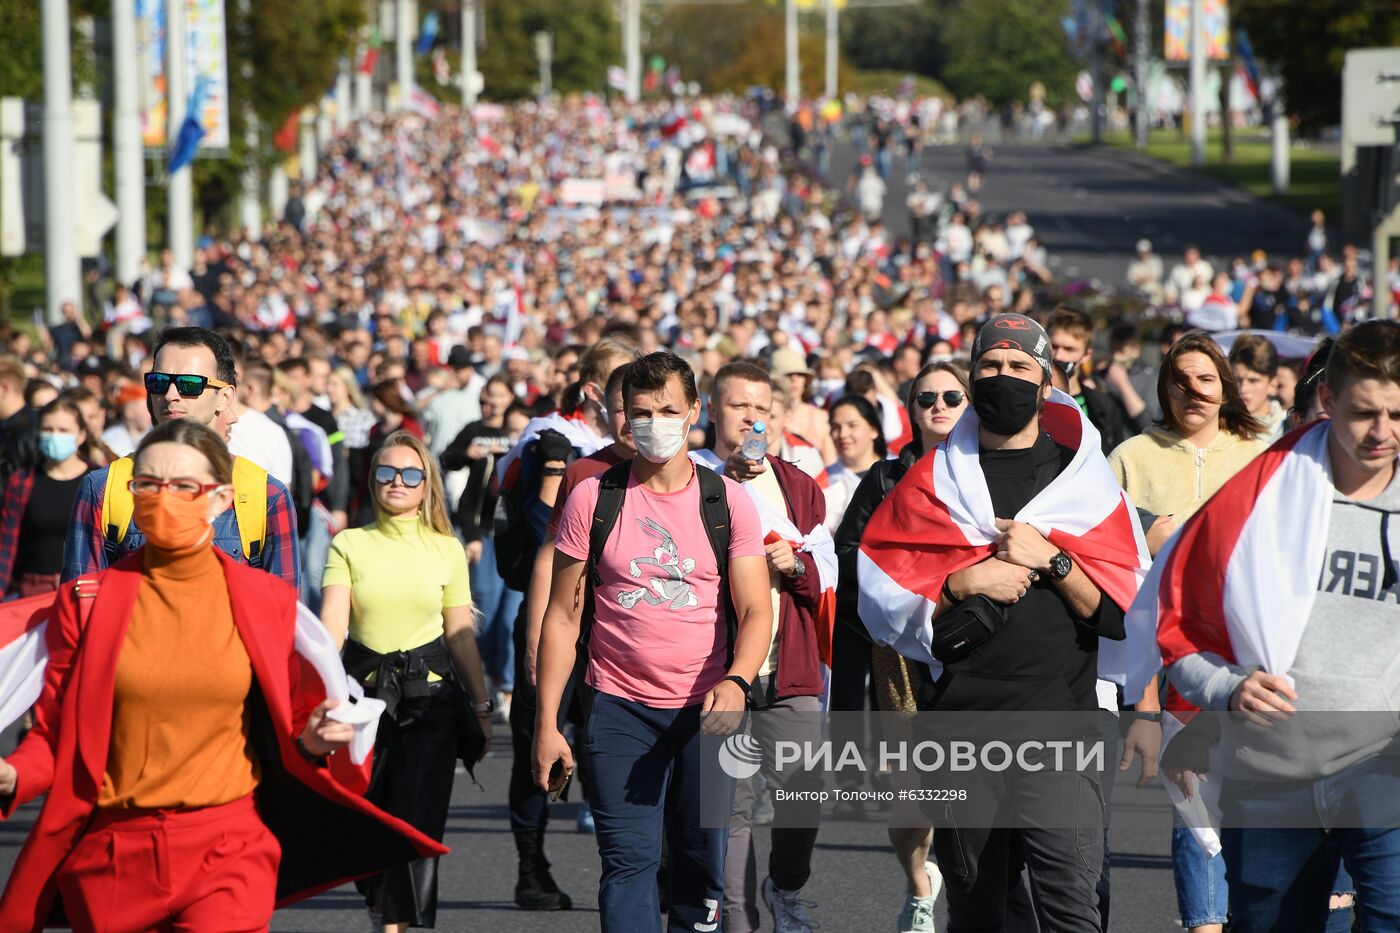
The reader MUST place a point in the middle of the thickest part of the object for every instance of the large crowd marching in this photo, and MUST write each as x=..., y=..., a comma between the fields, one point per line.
x=473, y=339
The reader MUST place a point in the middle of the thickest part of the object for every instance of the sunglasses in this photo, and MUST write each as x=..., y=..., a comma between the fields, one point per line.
x=412, y=477
x=951, y=399
x=188, y=385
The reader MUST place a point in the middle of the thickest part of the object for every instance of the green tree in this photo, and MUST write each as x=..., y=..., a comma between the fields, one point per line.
x=587, y=39
x=904, y=38
x=997, y=48
x=1307, y=43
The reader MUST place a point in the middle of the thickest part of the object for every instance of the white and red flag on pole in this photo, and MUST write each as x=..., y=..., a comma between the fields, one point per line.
x=939, y=519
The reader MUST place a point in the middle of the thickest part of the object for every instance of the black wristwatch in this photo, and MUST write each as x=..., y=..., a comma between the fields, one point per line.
x=1060, y=566
x=742, y=683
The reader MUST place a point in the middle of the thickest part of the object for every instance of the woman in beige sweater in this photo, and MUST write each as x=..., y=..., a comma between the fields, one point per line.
x=1206, y=436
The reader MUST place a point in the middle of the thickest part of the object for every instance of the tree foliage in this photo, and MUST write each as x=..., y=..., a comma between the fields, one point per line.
x=997, y=50
x=762, y=60
x=587, y=39
x=1307, y=43
x=903, y=38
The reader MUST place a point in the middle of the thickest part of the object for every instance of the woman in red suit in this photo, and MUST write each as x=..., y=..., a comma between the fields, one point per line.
x=186, y=774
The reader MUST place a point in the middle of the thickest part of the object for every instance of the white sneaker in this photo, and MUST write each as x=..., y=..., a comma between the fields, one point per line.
x=789, y=910
x=917, y=914
x=501, y=715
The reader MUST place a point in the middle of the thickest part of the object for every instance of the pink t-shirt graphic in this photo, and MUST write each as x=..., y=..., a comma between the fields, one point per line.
x=659, y=636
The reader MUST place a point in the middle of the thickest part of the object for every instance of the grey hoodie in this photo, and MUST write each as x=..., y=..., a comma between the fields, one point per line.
x=1348, y=659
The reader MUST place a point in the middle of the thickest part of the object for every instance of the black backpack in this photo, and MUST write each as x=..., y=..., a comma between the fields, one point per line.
x=714, y=513
x=520, y=517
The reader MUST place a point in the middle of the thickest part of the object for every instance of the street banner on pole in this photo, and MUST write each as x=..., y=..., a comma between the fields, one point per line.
x=207, y=60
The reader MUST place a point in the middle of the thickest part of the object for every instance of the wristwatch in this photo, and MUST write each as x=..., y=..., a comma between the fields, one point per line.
x=799, y=570
x=487, y=705
x=1060, y=566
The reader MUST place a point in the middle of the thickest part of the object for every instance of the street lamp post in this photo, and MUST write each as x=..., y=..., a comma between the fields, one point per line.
x=128, y=170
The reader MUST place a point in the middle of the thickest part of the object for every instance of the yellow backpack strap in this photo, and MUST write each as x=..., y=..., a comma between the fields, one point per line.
x=117, y=504
x=250, y=507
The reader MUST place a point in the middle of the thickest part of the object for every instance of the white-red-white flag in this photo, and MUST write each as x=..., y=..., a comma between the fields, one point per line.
x=939, y=519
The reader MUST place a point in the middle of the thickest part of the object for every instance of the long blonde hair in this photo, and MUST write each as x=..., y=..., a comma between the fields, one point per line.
x=433, y=511
x=352, y=386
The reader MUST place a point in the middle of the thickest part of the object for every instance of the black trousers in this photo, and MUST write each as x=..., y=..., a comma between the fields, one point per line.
x=852, y=691
x=529, y=806
x=414, y=767
x=1064, y=863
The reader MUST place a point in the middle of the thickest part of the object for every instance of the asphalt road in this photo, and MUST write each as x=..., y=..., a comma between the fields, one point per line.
x=1090, y=206
x=855, y=882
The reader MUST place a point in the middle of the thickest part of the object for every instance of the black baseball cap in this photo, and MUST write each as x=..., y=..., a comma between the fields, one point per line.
x=1013, y=331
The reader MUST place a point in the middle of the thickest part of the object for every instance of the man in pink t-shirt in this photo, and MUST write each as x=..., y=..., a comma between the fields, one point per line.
x=659, y=658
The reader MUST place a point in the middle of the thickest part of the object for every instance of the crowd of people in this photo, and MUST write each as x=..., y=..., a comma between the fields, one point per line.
x=450, y=364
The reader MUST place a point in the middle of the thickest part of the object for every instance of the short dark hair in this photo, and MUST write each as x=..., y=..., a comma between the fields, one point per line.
x=259, y=376
x=1368, y=351
x=224, y=369
x=652, y=372
x=1255, y=353
x=1070, y=319
x=742, y=370
x=859, y=382
x=1123, y=335
x=296, y=364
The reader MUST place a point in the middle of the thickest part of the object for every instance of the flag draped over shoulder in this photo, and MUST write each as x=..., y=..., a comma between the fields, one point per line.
x=1238, y=580
x=939, y=519
x=817, y=543
x=24, y=654
x=1240, y=577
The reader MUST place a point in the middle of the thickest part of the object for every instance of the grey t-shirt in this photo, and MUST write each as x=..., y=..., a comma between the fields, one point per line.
x=1348, y=659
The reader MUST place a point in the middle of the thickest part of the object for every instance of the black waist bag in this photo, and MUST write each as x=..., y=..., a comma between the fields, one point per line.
x=961, y=629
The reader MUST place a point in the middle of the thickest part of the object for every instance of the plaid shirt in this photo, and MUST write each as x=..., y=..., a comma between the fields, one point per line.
x=18, y=488
x=87, y=549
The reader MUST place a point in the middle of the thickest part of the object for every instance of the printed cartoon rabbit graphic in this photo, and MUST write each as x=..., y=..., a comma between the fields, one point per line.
x=671, y=588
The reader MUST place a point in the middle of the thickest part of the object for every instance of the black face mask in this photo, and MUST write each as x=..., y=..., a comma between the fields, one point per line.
x=1005, y=404
x=1066, y=369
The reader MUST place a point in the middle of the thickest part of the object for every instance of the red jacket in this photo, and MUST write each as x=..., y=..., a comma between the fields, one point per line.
x=799, y=661
x=328, y=835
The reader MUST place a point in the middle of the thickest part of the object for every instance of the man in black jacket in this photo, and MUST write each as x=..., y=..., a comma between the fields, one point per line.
x=1071, y=339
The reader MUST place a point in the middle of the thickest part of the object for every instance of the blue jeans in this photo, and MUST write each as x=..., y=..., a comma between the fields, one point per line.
x=499, y=605
x=315, y=549
x=1289, y=873
x=644, y=780
x=1282, y=870
x=1203, y=894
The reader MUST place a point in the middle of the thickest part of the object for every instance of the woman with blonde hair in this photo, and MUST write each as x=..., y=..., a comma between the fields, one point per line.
x=396, y=595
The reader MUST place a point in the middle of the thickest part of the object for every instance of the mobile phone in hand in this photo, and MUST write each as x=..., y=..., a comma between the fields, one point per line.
x=559, y=779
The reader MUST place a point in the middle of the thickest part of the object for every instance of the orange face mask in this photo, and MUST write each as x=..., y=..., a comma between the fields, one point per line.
x=171, y=523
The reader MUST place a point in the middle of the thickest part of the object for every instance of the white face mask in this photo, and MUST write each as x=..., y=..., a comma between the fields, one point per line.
x=659, y=439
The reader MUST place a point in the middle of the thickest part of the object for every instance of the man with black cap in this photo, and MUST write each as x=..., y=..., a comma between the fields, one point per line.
x=1032, y=550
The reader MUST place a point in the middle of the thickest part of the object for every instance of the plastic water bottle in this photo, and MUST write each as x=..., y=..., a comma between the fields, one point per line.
x=756, y=444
